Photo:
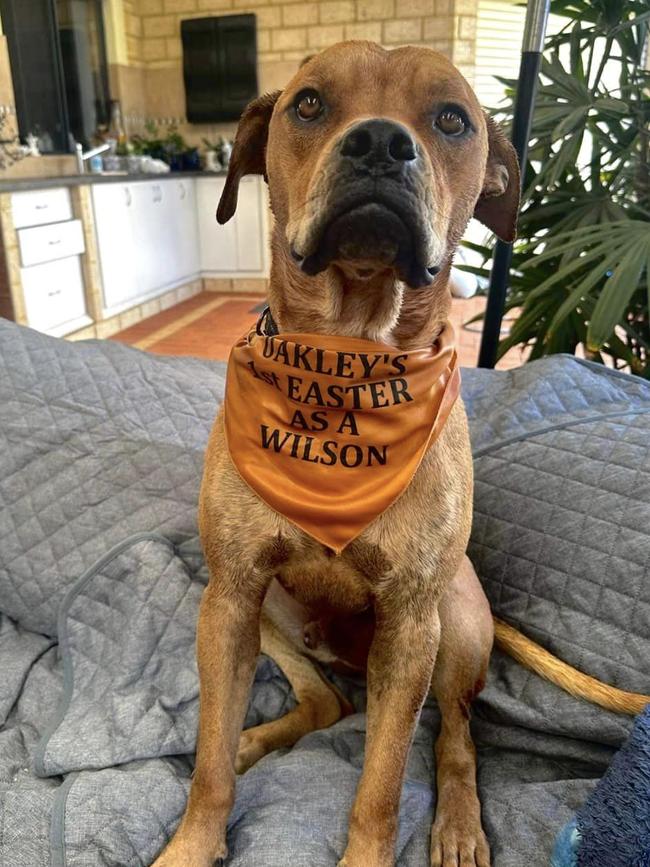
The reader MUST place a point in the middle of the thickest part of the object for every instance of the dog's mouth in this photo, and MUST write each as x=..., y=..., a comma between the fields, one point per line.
x=365, y=237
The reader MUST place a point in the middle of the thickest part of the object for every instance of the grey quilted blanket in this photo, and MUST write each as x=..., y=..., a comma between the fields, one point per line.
x=101, y=574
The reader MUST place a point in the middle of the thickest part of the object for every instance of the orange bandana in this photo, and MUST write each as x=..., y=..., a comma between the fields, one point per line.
x=329, y=431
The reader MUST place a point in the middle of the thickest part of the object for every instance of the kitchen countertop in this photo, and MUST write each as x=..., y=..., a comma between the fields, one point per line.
x=16, y=185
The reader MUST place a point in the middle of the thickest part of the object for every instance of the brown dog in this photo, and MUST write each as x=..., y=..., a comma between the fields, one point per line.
x=375, y=160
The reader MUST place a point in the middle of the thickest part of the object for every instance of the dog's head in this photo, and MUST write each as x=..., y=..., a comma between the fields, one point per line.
x=375, y=161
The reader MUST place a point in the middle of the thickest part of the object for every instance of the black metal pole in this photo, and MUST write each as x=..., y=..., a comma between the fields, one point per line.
x=531, y=53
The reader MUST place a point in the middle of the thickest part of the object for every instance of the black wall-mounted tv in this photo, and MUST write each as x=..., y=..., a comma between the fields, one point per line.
x=219, y=66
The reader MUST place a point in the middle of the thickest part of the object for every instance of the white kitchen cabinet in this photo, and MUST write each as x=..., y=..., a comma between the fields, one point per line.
x=147, y=238
x=151, y=237
x=218, y=244
x=155, y=234
x=166, y=211
x=54, y=296
x=250, y=224
x=239, y=248
x=113, y=208
x=183, y=215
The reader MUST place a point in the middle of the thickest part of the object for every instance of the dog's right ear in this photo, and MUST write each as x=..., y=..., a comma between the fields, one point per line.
x=249, y=151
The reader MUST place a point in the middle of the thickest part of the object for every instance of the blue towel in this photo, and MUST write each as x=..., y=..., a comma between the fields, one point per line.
x=612, y=829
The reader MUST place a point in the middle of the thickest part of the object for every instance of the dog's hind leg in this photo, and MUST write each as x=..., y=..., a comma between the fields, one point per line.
x=319, y=702
x=459, y=675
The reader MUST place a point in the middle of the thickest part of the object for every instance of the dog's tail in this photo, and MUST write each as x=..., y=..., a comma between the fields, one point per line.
x=534, y=657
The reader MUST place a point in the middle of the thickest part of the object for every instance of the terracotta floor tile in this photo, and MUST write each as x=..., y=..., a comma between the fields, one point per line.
x=165, y=317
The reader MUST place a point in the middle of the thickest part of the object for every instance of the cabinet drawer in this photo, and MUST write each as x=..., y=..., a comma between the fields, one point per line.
x=46, y=243
x=54, y=293
x=41, y=206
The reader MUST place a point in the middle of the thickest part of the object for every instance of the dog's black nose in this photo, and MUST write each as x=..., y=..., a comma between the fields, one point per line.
x=378, y=143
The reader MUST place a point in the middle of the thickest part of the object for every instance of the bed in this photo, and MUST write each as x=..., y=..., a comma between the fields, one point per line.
x=101, y=573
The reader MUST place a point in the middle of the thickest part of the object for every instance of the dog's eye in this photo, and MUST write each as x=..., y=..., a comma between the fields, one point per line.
x=308, y=105
x=451, y=123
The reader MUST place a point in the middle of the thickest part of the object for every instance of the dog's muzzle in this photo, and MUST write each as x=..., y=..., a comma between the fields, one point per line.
x=374, y=214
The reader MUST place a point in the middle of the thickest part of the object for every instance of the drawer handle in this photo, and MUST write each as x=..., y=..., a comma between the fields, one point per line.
x=41, y=207
x=52, y=294
x=54, y=243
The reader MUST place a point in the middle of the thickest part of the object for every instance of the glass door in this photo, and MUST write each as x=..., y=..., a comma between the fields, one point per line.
x=58, y=66
x=83, y=54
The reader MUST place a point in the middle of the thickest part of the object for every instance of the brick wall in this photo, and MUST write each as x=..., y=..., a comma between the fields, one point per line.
x=287, y=32
x=133, y=29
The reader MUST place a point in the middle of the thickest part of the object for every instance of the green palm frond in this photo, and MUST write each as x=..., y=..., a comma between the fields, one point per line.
x=581, y=266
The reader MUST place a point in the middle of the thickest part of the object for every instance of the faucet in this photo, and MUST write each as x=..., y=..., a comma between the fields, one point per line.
x=93, y=152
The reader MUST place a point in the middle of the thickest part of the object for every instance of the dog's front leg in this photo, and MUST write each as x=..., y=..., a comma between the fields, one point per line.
x=399, y=673
x=228, y=642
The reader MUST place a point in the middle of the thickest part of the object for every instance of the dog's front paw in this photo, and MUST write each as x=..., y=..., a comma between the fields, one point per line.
x=164, y=861
x=460, y=844
x=171, y=861
x=187, y=853
x=371, y=854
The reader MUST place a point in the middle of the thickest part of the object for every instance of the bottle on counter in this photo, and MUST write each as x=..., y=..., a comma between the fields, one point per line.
x=116, y=129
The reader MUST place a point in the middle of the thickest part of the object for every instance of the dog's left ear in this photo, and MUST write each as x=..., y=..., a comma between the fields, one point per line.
x=498, y=204
x=249, y=151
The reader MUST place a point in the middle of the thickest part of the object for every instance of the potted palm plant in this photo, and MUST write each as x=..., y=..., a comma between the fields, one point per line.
x=581, y=265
